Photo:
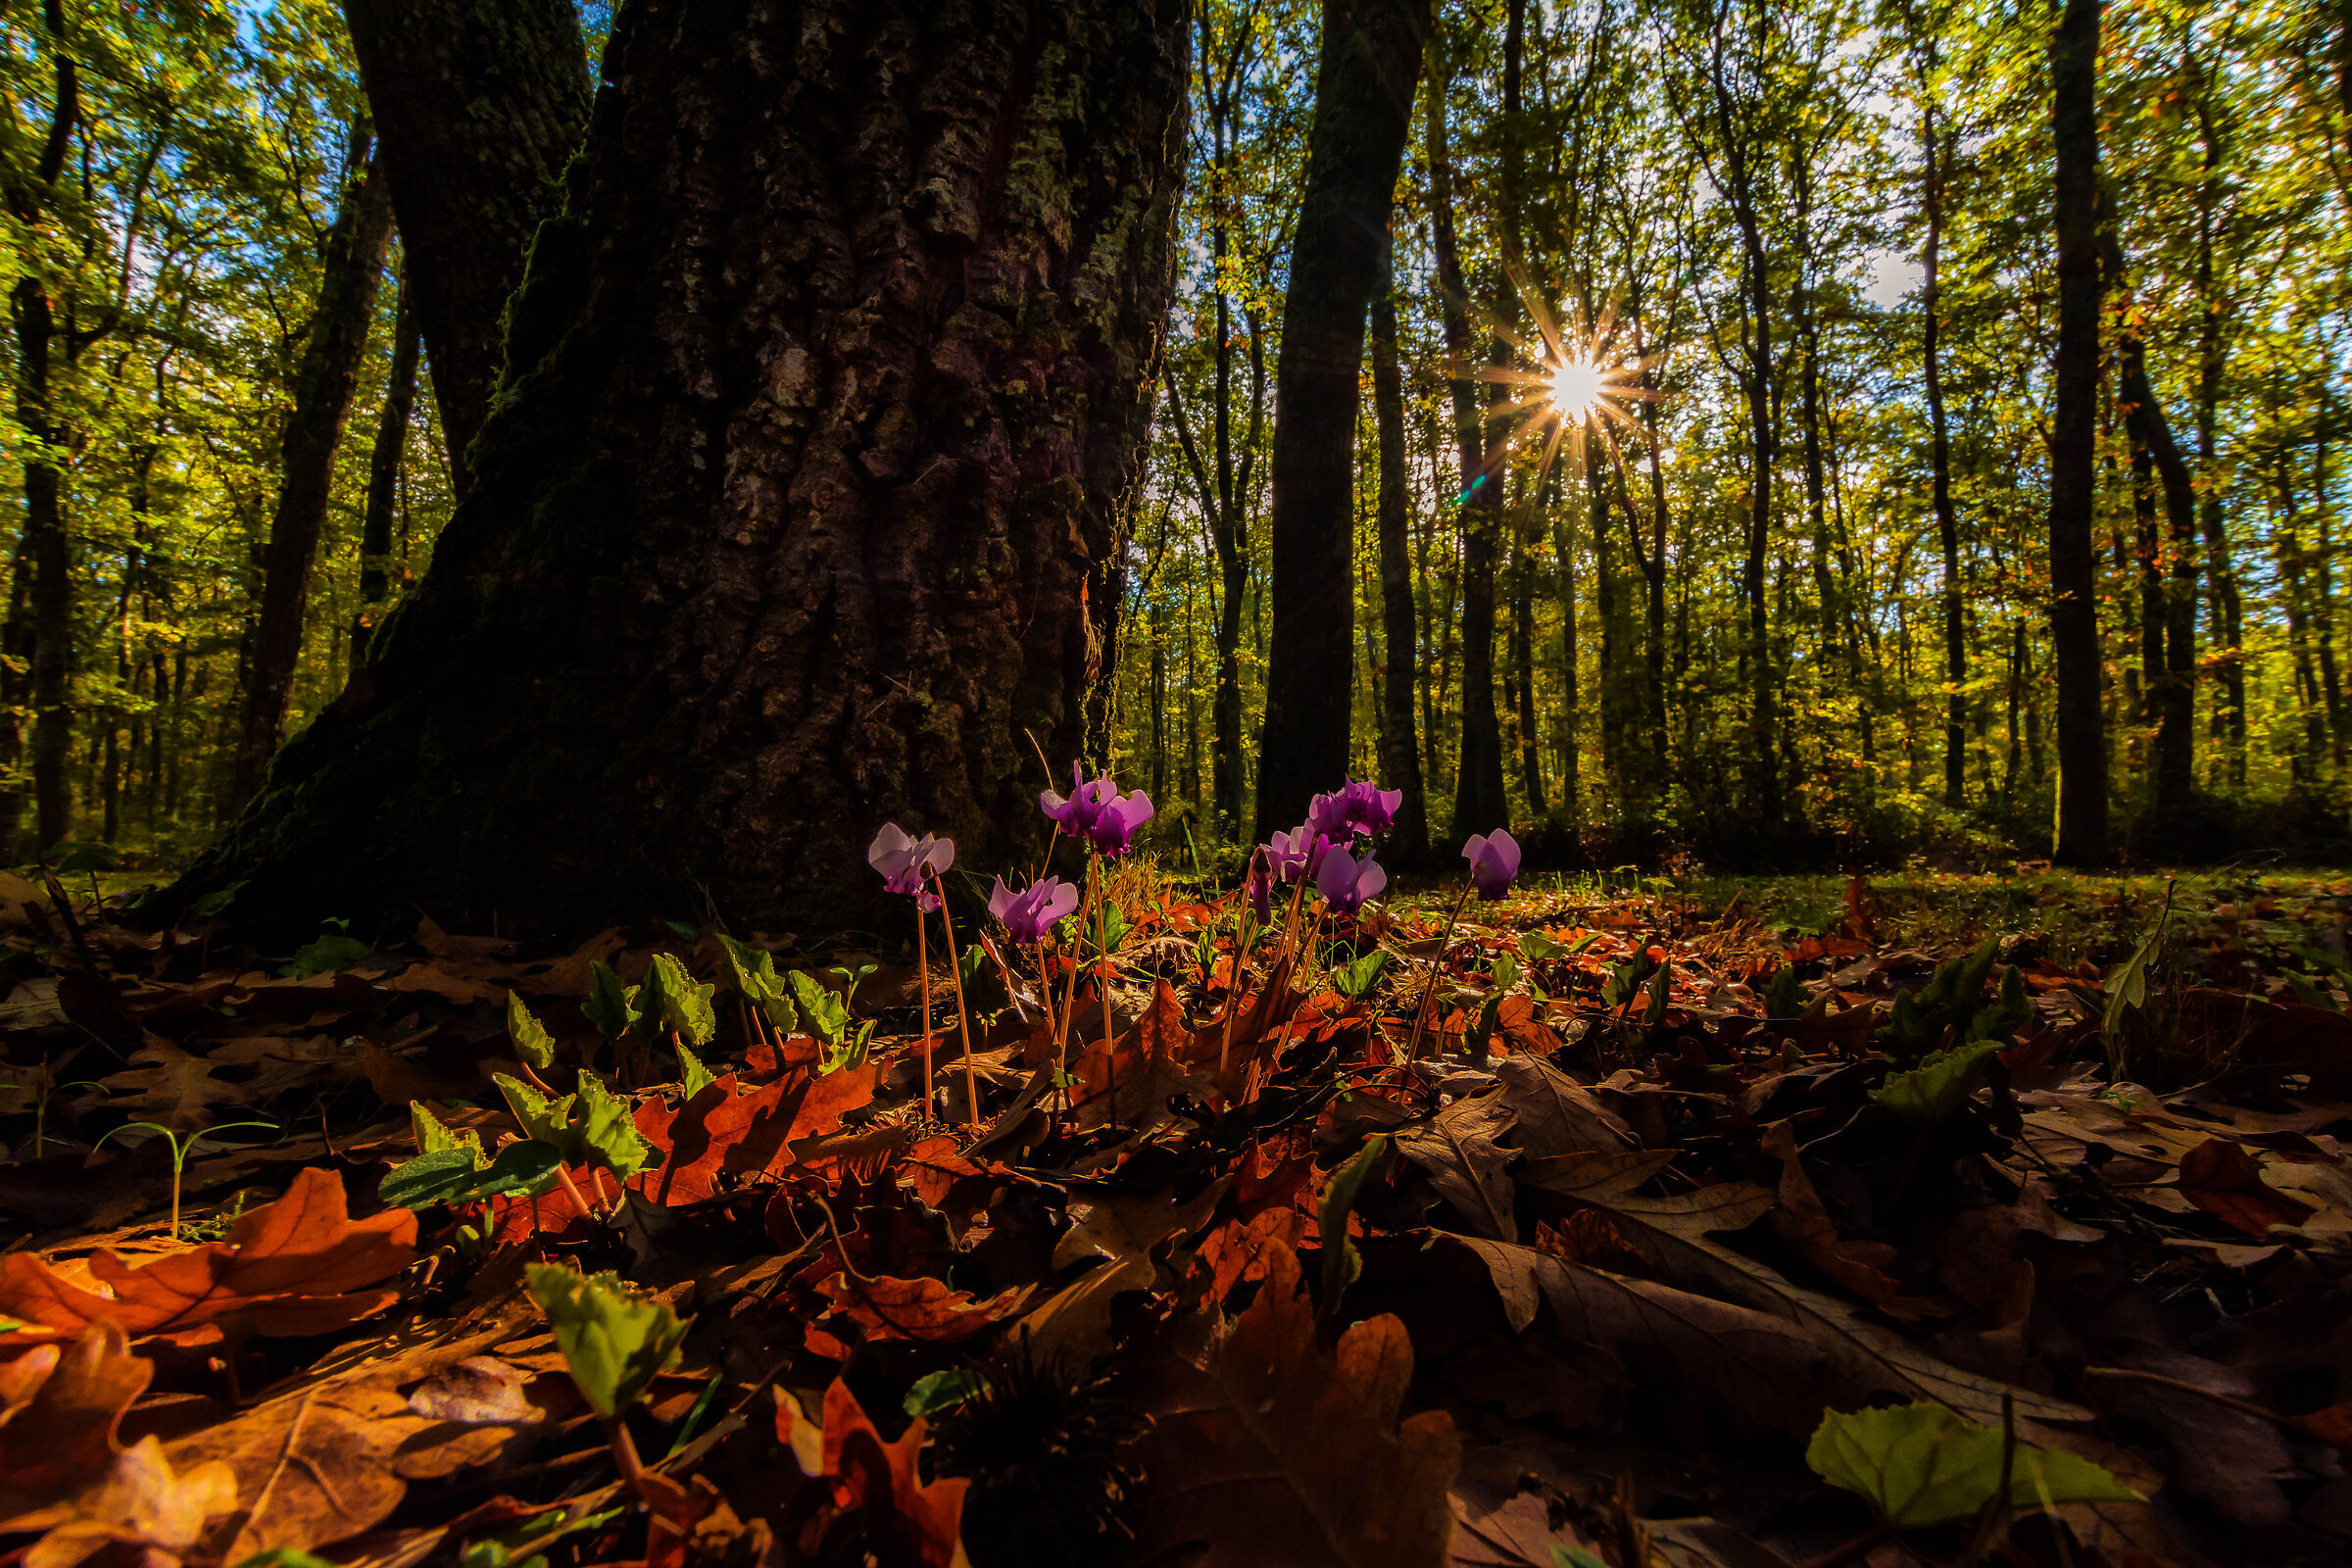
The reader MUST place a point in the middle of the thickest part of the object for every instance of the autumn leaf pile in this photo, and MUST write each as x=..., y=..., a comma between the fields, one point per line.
x=1671, y=1241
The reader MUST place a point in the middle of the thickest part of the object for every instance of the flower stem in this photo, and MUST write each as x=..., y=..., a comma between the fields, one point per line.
x=1102, y=989
x=922, y=969
x=1436, y=961
x=963, y=1023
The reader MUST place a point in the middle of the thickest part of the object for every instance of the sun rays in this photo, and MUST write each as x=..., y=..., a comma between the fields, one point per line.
x=1567, y=381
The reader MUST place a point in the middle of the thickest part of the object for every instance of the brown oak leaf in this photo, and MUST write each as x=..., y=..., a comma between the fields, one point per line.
x=298, y=1266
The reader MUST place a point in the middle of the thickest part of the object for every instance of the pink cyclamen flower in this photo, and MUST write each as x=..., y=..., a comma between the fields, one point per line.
x=1357, y=807
x=1494, y=862
x=1076, y=812
x=1295, y=853
x=1113, y=829
x=1027, y=916
x=906, y=862
x=1347, y=882
x=1261, y=884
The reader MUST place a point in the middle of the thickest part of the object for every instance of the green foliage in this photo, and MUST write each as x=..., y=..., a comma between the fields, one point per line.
x=936, y=1391
x=671, y=1001
x=751, y=972
x=825, y=1015
x=1921, y=1464
x=326, y=952
x=433, y=1138
x=614, y=1339
x=1355, y=978
x=532, y=1043
x=1626, y=980
x=611, y=1006
x=1918, y=1021
x=2128, y=984
x=603, y=1133
x=693, y=1076
x=1937, y=1087
x=1784, y=998
x=525, y=1168
x=1342, y=1263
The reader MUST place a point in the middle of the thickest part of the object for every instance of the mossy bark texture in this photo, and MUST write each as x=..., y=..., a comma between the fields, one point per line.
x=824, y=396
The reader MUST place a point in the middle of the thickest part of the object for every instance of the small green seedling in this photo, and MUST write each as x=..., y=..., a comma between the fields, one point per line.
x=1355, y=978
x=615, y=1342
x=329, y=950
x=179, y=1151
x=533, y=1045
x=1342, y=1263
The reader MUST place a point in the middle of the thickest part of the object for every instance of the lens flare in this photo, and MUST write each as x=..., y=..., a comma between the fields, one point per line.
x=1577, y=386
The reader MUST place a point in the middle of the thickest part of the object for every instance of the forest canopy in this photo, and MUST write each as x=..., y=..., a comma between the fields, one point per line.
x=1703, y=473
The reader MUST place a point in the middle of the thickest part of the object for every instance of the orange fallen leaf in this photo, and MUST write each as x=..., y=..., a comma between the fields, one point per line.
x=141, y=1503
x=866, y=1473
x=298, y=1266
x=2224, y=1180
x=922, y=1309
x=63, y=1404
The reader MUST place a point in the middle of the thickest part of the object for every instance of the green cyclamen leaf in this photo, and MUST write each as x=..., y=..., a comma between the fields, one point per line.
x=614, y=1340
x=1922, y=1464
x=693, y=1076
x=433, y=1137
x=827, y=1019
x=607, y=1005
x=672, y=1000
x=935, y=1391
x=532, y=1043
x=547, y=1120
x=428, y=1179
x=1937, y=1087
x=608, y=1133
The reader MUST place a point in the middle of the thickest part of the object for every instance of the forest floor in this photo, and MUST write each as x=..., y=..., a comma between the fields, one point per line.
x=1802, y=1221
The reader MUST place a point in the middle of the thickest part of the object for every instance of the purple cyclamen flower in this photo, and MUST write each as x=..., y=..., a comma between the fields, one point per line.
x=1075, y=813
x=906, y=862
x=1295, y=853
x=1494, y=862
x=1261, y=884
x=1347, y=882
x=1357, y=807
x=1030, y=913
x=1113, y=829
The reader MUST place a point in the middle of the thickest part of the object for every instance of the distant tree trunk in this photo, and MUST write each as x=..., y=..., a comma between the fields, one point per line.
x=2170, y=608
x=2211, y=362
x=478, y=105
x=1523, y=657
x=1400, y=750
x=2073, y=568
x=2323, y=568
x=383, y=478
x=827, y=387
x=1940, y=464
x=1480, y=804
x=40, y=622
x=334, y=344
x=1371, y=57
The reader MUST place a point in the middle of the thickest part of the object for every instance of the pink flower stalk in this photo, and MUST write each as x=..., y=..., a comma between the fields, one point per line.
x=1357, y=807
x=1494, y=862
x=1347, y=882
x=906, y=861
x=1027, y=916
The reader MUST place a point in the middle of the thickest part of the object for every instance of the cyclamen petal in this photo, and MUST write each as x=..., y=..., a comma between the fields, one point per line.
x=1347, y=882
x=1494, y=862
x=1029, y=914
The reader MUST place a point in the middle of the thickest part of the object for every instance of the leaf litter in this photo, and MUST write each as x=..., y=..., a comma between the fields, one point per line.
x=1680, y=1239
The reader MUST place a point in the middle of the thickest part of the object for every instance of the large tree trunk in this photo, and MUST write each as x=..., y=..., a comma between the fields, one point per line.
x=335, y=342
x=383, y=478
x=1371, y=57
x=1400, y=750
x=2074, y=567
x=826, y=391
x=478, y=105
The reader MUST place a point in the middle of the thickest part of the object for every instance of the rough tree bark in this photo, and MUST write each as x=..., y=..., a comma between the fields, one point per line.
x=477, y=103
x=2074, y=604
x=822, y=396
x=1400, y=750
x=383, y=476
x=334, y=343
x=1370, y=59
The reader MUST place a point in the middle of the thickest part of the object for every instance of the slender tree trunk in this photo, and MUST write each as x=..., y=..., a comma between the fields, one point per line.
x=788, y=521
x=1371, y=57
x=335, y=343
x=2211, y=364
x=1940, y=464
x=2074, y=573
x=477, y=103
x=1523, y=659
x=383, y=478
x=2324, y=570
x=1400, y=750
x=2169, y=636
